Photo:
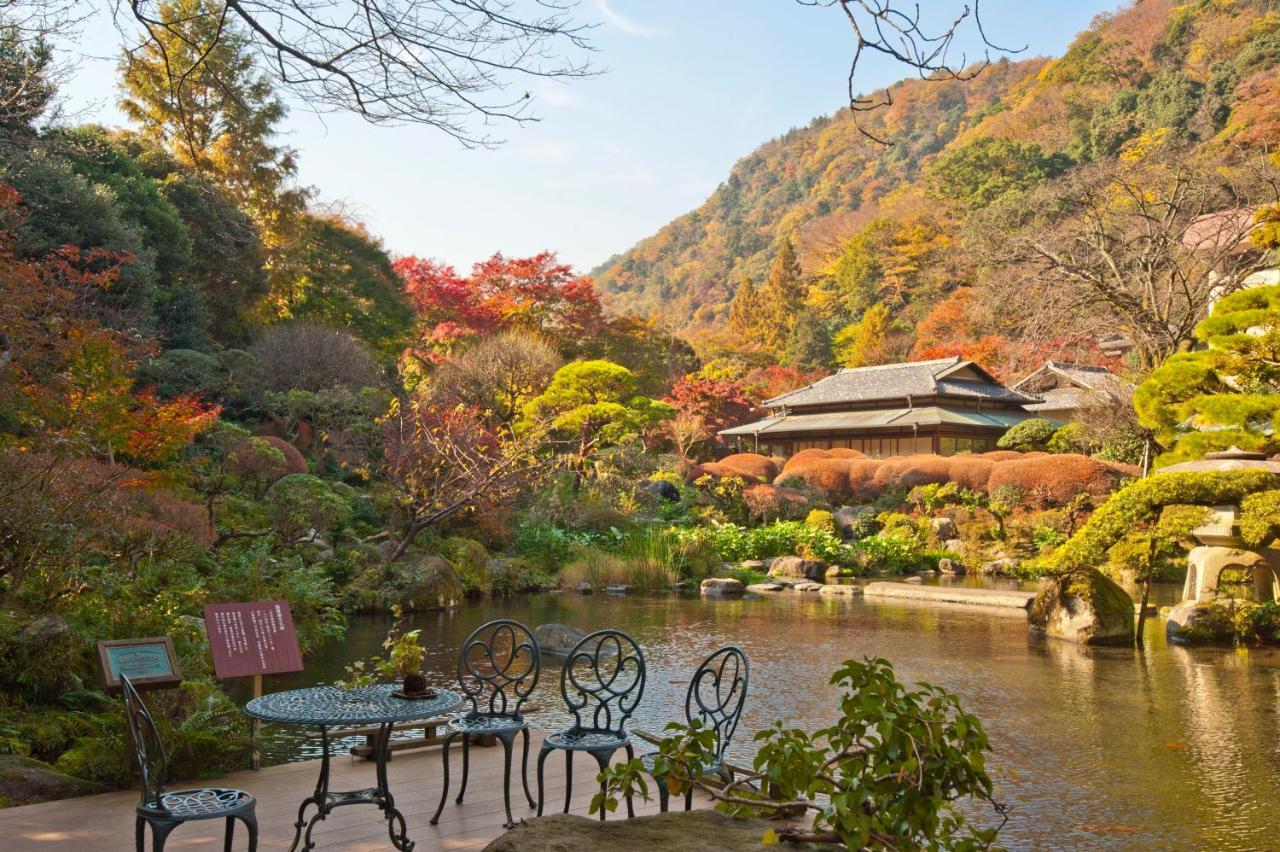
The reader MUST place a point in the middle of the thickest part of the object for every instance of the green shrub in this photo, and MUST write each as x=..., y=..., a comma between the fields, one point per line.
x=820, y=519
x=1234, y=620
x=300, y=502
x=1029, y=435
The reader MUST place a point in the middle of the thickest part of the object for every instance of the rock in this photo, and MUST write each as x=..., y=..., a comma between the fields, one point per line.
x=912, y=580
x=1003, y=565
x=850, y=520
x=841, y=591
x=583, y=588
x=681, y=585
x=950, y=566
x=807, y=586
x=722, y=587
x=705, y=830
x=754, y=564
x=944, y=528
x=432, y=585
x=387, y=548
x=1083, y=607
x=555, y=641
x=196, y=623
x=795, y=566
x=764, y=588
x=620, y=589
x=955, y=545
x=927, y=573
x=25, y=781
x=664, y=491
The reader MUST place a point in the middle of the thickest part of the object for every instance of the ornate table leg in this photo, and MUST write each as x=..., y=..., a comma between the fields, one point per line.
x=396, y=828
x=319, y=798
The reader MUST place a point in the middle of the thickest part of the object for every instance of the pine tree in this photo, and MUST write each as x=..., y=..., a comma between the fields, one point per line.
x=197, y=91
x=809, y=344
x=780, y=298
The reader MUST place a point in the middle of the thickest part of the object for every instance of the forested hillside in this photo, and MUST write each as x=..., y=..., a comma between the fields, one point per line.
x=887, y=225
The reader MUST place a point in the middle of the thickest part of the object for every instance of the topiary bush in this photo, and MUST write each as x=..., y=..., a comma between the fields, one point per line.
x=300, y=502
x=1029, y=435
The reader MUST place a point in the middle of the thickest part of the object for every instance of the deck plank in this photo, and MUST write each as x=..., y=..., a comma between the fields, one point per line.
x=104, y=823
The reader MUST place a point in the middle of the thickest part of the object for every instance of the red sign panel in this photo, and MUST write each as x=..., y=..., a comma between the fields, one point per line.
x=252, y=638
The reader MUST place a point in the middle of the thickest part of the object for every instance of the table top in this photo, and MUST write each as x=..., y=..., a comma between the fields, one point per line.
x=365, y=705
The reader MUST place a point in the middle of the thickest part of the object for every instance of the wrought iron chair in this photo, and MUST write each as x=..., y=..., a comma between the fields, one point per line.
x=602, y=682
x=166, y=810
x=716, y=695
x=498, y=668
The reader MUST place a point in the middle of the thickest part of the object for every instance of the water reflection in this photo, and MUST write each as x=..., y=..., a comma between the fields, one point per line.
x=1094, y=748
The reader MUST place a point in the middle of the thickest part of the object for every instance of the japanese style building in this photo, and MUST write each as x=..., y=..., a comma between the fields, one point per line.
x=1067, y=389
x=945, y=406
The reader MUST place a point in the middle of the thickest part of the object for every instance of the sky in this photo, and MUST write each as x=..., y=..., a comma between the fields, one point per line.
x=687, y=88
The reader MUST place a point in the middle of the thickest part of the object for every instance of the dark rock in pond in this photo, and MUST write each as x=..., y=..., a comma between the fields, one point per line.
x=754, y=564
x=796, y=566
x=664, y=491
x=1003, y=565
x=950, y=566
x=1085, y=607
x=619, y=589
x=704, y=830
x=722, y=587
x=583, y=588
x=555, y=641
x=25, y=781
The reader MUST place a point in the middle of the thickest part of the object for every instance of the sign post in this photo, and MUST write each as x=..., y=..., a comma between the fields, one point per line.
x=252, y=640
x=149, y=663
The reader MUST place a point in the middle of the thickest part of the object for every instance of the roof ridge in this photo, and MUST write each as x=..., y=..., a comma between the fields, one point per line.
x=901, y=365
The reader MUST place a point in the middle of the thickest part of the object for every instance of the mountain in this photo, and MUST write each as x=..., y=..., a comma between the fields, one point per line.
x=1204, y=72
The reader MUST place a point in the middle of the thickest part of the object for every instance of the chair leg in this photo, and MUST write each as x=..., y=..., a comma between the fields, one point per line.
x=688, y=798
x=631, y=808
x=140, y=833
x=542, y=759
x=466, y=766
x=524, y=766
x=444, y=792
x=231, y=834
x=568, y=778
x=602, y=760
x=160, y=833
x=251, y=825
x=664, y=794
x=508, y=741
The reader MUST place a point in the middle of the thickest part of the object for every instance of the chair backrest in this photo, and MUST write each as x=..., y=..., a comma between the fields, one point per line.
x=148, y=751
x=498, y=667
x=717, y=693
x=603, y=680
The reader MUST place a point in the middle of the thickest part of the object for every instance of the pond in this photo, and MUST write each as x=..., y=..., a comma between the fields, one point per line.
x=1093, y=749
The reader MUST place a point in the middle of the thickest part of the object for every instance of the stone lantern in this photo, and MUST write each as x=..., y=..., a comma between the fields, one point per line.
x=1221, y=547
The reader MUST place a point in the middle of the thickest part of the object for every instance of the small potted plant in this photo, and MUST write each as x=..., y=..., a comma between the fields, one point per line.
x=403, y=662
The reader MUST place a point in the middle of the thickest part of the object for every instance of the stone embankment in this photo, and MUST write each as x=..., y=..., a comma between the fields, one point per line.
x=1010, y=598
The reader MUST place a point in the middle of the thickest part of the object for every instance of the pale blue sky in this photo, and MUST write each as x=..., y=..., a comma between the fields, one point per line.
x=689, y=87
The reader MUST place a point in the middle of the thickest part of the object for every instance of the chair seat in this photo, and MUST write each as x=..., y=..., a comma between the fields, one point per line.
x=586, y=739
x=648, y=761
x=497, y=723
x=202, y=803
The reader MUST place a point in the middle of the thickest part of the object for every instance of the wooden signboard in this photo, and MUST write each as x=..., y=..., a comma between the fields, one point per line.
x=149, y=663
x=252, y=639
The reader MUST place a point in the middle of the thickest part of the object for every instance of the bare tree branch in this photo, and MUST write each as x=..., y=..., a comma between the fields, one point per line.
x=442, y=63
x=883, y=27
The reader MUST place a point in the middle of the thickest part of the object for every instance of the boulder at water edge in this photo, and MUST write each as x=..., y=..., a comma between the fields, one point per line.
x=1083, y=607
x=722, y=587
x=796, y=566
x=25, y=781
x=705, y=830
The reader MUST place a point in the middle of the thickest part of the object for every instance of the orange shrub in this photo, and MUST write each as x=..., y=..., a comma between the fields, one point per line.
x=245, y=460
x=862, y=479
x=1000, y=455
x=711, y=469
x=751, y=466
x=771, y=502
x=910, y=471
x=845, y=453
x=1054, y=480
x=972, y=472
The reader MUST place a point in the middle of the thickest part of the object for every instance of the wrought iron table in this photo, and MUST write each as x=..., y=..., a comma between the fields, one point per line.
x=328, y=706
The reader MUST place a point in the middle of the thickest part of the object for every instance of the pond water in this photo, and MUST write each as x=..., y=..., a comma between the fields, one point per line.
x=1092, y=749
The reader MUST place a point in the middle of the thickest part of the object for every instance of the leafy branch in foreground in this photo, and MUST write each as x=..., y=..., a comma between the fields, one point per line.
x=886, y=775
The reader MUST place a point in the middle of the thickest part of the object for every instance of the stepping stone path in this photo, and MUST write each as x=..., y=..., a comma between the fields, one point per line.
x=763, y=588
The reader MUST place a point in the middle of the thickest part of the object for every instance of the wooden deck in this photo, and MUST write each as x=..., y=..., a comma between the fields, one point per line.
x=104, y=823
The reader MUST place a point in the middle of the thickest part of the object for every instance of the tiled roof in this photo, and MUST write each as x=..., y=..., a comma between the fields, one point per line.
x=882, y=418
x=920, y=379
x=1098, y=380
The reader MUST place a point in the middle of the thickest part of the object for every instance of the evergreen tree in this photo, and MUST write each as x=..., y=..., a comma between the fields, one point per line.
x=780, y=298
x=809, y=344
x=744, y=311
x=196, y=90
